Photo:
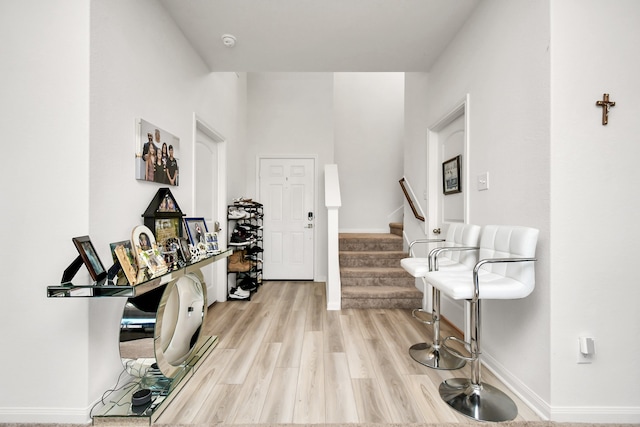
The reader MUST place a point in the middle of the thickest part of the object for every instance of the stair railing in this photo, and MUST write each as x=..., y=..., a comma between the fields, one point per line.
x=333, y=203
x=411, y=198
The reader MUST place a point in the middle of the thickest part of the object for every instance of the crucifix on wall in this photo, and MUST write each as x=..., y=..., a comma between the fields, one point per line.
x=605, y=104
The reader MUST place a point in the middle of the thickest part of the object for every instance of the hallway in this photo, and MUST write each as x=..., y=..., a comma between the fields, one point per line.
x=282, y=358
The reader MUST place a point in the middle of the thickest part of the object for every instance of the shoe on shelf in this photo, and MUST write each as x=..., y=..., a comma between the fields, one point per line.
x=237, y=293
x=237, y=263
x=248, y=284
x=235, y=213
x=254, y=250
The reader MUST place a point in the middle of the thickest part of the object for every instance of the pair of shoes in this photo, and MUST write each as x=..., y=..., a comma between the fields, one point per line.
x=248, y=284
x=254, y=250
x=253, y=257
x=241, y=237
x=237, y=213
x=237, y=263
x=237, y=293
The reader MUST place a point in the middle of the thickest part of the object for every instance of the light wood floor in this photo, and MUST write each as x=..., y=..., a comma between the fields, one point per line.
x=283, y=358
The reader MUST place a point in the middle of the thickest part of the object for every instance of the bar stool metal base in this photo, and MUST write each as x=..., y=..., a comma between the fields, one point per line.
x=481, y=402
x=436, y=358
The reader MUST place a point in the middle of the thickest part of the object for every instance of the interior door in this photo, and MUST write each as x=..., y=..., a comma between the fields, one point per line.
x=447, y=139
x=287, y=191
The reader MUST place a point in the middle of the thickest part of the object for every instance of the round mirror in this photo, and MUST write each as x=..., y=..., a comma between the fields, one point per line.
x=137, y=327
x=180, y=316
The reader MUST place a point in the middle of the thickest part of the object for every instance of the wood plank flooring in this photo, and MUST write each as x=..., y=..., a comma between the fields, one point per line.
x=283, y=358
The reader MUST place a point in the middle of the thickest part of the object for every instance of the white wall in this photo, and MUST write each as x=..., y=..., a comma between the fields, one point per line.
x=501, y=59
x=142, y=67
x=594, y=200
x=45, y=201
x=74, y=91
x=291, y=114
x=369, y=118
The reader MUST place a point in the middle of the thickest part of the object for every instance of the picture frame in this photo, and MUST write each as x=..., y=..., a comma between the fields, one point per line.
x=451, y=176
x=164, y=147
x=123, y=253
x=90, y=257
x=211, y=242
x=196, y=229
x=185, y=251
x=147, y=253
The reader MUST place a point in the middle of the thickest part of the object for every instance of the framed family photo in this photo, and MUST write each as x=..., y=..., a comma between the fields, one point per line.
x=451, y=176
x=157, y=154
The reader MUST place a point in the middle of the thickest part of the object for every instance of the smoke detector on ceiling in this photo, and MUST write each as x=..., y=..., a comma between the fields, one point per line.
x=228, y=40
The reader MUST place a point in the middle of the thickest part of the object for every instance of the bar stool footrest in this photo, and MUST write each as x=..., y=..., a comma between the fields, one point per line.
x=419, y=310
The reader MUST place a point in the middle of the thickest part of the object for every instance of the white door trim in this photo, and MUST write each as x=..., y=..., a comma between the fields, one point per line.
x=199, y=125
x=434, y=186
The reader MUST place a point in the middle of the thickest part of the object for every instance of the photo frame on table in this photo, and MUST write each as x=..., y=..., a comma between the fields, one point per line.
x=90, y=257
x=185, y=251
x=123, y=253
x=211, y=242
x=451, y=176
x=196, y=229
x=147, y=253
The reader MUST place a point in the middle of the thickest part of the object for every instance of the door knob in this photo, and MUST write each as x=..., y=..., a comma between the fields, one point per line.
x=436, y=231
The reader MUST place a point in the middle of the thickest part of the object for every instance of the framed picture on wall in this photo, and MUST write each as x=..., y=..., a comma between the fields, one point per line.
x=451, y=176
x=157, y=154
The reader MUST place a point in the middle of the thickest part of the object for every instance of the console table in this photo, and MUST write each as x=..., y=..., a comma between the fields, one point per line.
x=168, y=376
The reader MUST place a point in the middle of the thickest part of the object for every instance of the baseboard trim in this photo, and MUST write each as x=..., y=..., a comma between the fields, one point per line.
x=45, y=415
x=596, y=414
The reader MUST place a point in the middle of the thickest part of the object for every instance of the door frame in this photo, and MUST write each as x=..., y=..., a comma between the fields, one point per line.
x=434, y=191
x=313, y=157
x=434, y=184
x=220, y=209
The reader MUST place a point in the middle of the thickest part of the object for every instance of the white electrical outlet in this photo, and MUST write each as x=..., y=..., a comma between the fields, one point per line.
x=586, y=349
x=483, y=181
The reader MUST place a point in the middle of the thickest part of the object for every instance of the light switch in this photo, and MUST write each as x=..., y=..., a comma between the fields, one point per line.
x=483, y=181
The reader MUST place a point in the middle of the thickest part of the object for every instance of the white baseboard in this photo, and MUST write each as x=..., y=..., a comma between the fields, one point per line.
x=45, y=415
x=597, y=414
x=528, y=396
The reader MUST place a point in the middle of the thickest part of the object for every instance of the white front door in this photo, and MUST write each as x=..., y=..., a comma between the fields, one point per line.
x=287, y=191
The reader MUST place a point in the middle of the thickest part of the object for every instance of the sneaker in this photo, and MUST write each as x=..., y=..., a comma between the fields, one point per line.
x=237, y=293
x=237, y=214
x=254, y=250
x=248, y=284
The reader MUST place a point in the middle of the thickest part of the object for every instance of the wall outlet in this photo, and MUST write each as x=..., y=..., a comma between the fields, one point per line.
x=483, y=181
x=586, y=349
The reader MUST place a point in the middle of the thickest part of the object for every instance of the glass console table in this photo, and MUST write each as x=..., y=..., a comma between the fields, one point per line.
x=178, y=301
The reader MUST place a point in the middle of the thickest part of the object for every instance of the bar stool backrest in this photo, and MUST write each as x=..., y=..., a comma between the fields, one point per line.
x=462, y=235
x=501, y=241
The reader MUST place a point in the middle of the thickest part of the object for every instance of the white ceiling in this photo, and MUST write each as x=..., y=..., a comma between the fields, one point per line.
x=320, y=35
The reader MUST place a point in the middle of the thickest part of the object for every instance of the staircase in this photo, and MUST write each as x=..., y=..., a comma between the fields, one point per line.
x=370, y=271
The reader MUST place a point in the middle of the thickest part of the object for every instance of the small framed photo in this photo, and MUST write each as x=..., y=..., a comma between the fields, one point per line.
x=122, y=252
x=147, y=252
x=451, y=176
x=90, y=257
x=211, y=241
x=196, y=229
x=184, y=250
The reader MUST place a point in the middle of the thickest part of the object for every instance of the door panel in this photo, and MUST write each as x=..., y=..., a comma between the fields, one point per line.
x=287, y=188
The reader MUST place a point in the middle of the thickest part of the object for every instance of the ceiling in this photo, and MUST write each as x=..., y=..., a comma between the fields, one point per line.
x=320, y=35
